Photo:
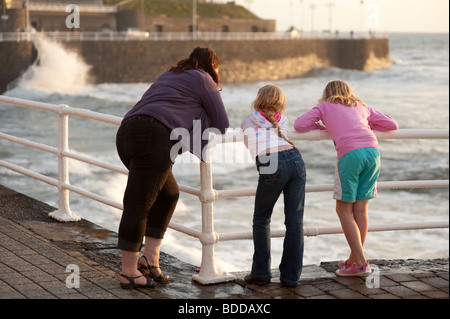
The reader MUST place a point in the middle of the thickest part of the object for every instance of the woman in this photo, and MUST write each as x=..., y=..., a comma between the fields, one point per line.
x=180, y=97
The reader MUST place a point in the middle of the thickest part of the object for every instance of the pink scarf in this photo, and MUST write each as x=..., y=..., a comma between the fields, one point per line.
x=277, y=116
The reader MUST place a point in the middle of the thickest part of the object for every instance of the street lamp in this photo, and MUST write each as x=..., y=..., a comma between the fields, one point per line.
x=194, y=19
x=330, y=6
x=313, y=6
x=302, y=16
x=27, y=12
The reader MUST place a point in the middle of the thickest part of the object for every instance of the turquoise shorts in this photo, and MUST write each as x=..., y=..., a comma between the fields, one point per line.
x=356, y=175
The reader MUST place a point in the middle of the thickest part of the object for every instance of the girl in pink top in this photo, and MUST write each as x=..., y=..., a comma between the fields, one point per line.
x=350, y=122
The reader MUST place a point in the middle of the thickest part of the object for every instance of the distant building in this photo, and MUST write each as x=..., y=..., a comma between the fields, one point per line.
x=50, y=15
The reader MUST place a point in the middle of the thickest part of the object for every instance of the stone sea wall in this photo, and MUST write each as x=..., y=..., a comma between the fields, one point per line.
x=15, y=58
x=241, y=61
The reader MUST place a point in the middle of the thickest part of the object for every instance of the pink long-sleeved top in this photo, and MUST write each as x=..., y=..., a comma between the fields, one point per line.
x=350, y=127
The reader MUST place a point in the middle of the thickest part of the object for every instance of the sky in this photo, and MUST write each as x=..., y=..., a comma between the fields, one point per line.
x=415, y=16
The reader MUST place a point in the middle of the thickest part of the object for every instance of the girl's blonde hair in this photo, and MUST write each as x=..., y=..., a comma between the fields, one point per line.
x=271, y=100
x=339, y=92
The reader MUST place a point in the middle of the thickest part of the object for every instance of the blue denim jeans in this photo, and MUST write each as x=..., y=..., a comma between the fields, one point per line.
x=289, y=178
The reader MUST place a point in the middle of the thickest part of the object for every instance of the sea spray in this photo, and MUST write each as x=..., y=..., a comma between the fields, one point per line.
x=56, y=69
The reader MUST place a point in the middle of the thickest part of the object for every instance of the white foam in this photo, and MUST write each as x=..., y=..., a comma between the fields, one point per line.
x=55, y=70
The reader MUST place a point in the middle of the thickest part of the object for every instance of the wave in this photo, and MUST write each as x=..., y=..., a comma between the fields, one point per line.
x=122, y=93
x=55, y=70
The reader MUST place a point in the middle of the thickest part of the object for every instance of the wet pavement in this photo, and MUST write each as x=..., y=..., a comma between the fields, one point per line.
x=41, y=258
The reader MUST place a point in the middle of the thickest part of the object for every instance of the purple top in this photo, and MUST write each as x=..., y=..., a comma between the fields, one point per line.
x=177, y=100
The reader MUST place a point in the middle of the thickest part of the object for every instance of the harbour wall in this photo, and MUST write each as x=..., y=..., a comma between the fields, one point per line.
x=15, y=58
x=241, y=60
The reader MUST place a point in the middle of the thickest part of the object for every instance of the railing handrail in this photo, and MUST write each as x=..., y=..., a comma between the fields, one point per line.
x=168, y=36
x=207, y=194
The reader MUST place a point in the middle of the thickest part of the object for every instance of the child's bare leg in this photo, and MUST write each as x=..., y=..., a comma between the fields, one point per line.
x=351, y=231
x=360, y=213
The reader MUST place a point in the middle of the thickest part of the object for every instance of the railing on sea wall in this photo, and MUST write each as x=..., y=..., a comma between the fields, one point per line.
x=207, y=195
x=173, y=36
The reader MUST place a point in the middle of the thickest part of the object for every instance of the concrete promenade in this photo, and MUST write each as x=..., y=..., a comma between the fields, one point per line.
x=41, y=258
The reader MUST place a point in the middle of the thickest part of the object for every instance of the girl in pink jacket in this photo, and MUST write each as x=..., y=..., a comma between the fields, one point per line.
x=350, y=122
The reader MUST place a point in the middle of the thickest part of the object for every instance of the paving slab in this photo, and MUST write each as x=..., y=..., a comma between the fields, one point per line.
x=41, y=258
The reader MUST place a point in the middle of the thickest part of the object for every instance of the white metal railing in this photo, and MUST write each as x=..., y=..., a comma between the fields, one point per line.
x=61, y=7
x=206, y=194
x=168, y=36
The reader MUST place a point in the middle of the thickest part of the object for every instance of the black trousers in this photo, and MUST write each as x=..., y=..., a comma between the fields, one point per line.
x=151, y=194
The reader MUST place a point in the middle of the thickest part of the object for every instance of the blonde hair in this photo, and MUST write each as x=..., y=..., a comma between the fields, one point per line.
x=339, y=92
x=271, y=100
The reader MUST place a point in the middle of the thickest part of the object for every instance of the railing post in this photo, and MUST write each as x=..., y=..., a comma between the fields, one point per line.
x=63, y=213
x=209, y=273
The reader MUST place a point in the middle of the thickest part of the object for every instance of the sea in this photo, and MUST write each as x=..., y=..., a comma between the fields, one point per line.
x=414, y=90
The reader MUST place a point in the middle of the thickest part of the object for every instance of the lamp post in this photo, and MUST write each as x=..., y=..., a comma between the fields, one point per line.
x=313, y=6
x=194, y=19
x=302, y=25
x=330, y=7
x=27, y=16
x=249, y=3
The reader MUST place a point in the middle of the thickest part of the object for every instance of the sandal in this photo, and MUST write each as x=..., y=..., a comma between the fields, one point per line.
x=145, y=270
x=344, y=264
x=131, y=285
